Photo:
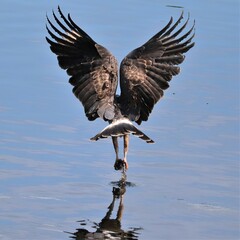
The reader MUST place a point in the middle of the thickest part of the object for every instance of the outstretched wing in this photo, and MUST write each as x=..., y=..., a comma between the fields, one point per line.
x=146, y=71
x=93, y=69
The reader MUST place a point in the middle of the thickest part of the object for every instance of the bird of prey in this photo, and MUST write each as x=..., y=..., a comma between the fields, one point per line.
x=144, y=75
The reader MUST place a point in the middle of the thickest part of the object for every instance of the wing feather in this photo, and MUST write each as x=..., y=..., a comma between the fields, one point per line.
x=146, y=71
x=91, y=67
x=167, y=33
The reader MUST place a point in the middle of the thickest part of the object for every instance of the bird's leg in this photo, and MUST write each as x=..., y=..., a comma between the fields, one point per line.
x=115, y=145
x=117, y=161
x=126, y=142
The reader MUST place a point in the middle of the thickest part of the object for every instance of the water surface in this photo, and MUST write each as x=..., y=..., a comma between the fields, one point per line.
x=56, y=184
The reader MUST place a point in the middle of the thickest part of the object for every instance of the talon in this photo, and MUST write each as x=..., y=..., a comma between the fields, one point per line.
x=119, y=164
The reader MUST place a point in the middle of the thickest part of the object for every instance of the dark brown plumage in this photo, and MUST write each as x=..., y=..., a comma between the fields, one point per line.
x=144, y=74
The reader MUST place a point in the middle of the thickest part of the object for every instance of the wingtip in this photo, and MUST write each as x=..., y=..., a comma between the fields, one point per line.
x=47, y=17
x=60, y=11
x=182, y=13
x=69, y=16
x=194, y=22
x=181, y=16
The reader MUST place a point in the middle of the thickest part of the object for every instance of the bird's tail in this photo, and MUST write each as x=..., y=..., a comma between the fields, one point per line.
x=120, y=128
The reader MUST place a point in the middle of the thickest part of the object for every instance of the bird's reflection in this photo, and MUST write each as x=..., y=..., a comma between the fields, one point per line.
x=109, y=227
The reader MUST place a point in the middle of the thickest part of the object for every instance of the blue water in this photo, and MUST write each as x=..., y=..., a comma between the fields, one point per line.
x=54, y=181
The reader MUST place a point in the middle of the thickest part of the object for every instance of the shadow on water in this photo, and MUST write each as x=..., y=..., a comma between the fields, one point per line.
x=109, y=228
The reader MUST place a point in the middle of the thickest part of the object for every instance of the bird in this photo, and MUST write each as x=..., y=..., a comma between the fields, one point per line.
x=144, y=75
